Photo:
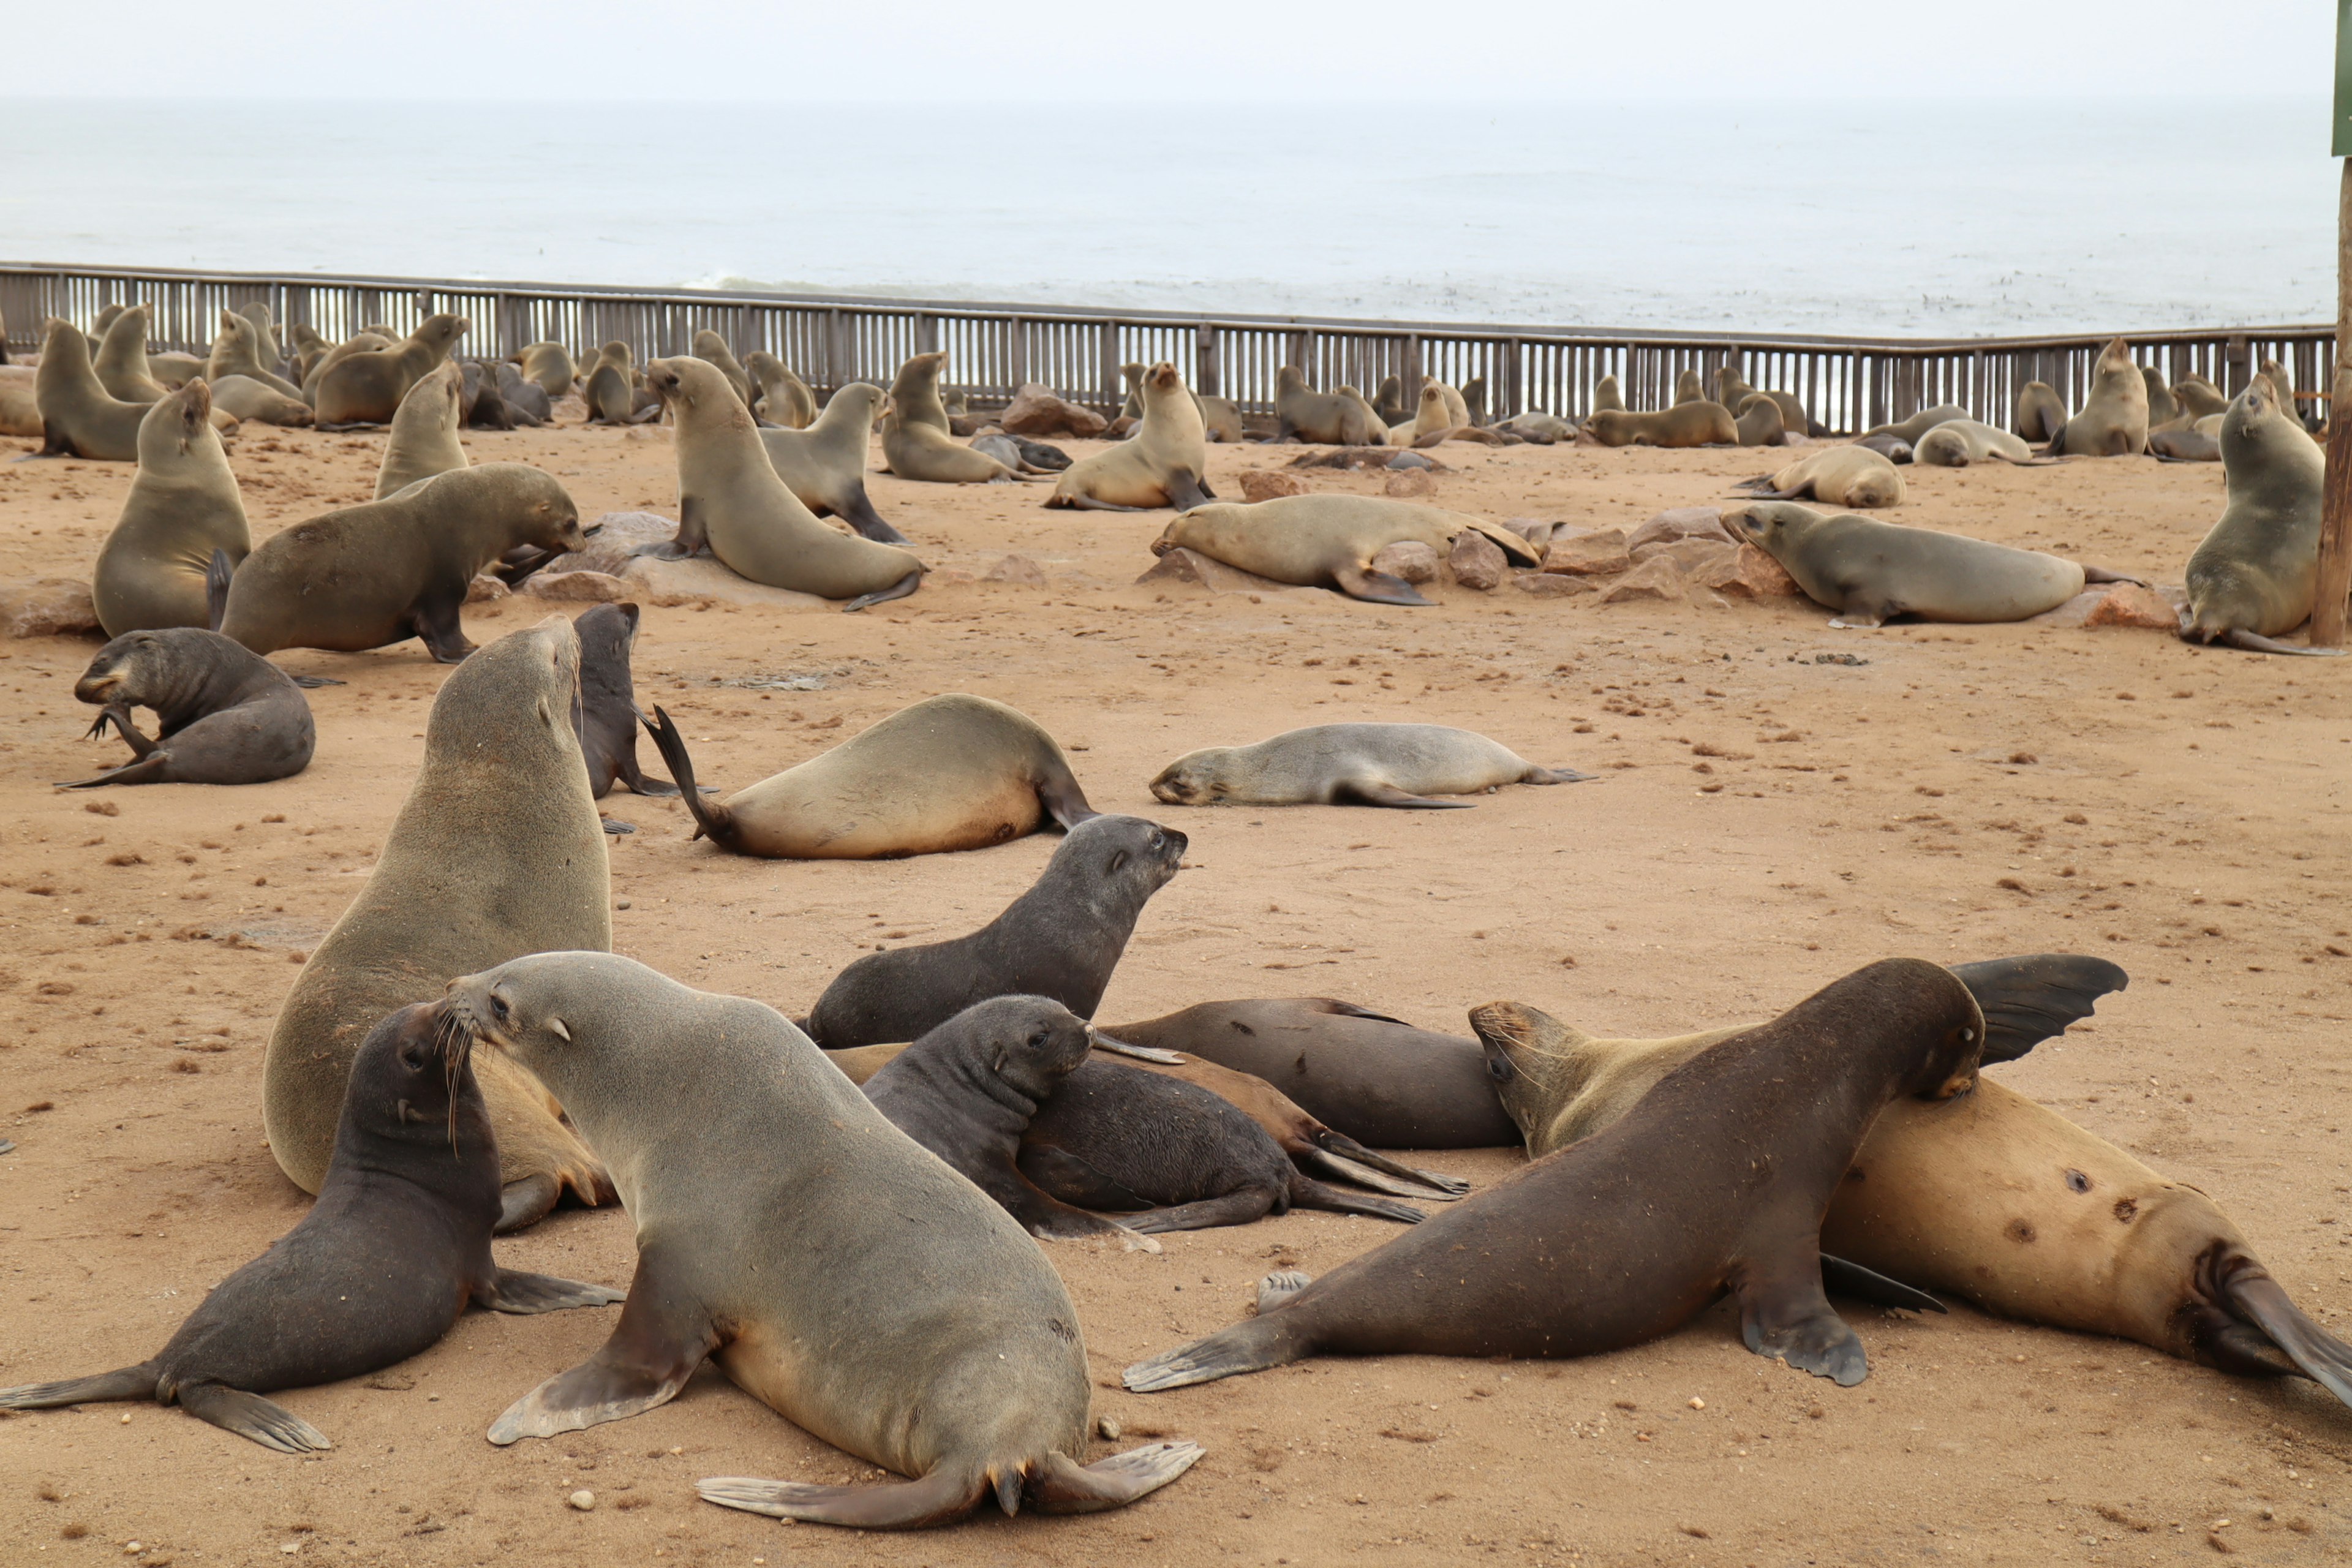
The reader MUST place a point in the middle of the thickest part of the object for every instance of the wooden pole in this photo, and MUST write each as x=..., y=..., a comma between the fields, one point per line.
x=2336, y=504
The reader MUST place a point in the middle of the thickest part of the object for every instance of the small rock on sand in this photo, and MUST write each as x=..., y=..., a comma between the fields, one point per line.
x=577, y=588
x=1475, y=561
x=47, y=607
x=1017, y=569
x=1747, y=573
x=1258, y=484
x=1409, y=559
x=1600, y=554
x=1654, y=580
x=1411, y=482
x=1036, y=411
x=1553, y=584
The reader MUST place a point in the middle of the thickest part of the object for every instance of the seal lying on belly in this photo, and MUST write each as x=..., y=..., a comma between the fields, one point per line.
x=224, y=715
x=1852, y=474
x=1699, y=423
x=1329, y=541
x=1353, y=764
x=1956, y=443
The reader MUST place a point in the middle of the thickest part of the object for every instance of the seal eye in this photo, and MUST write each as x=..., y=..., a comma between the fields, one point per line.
x=1968, y=1035
x=499, y=1007
x=413, y=1059
x=1037, y=1039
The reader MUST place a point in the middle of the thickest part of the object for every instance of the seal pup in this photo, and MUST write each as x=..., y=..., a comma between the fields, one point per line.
x=424, y=439
x=822, y=461
x=550, y=365
x=1329, y=541
x=1431, y=420
x=711, y=348
x=379, y=573
x=953, y=772
x=1353, y=764
x=1760, y=422
x=237, y=351
x=2197, y=443
x=527, y=402
x=1849, y=475
x=365, y=388
x=1893, y=449
x=1715, y=1182
x=1325, y=418
x=1956, y=443
x=2256, y=575
x=2162, y=406
x=1699, y=422
x=496, y=852
x=121, y=365
x=1061, y=939
x=1919, y=424
x=784, y=398
x=968, y=1090
x=1870, y=572
x=224, y=715
x=731, y=502
x=243, y=397
x=79, y=418
x=384, y=1264
x=184, y=508
x=1164, y=464
x=2114, y=421
x=607, y=715
x=1387, y=402
x=950, y=1351
x=485, y=406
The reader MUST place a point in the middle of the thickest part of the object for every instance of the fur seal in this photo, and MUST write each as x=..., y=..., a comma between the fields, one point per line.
x=245, y=398
x=1849, y=475
x=1606, y=395
x=2194, y=443
x=424, y=439
x=79, y=417
x=610, y=387
x=384, y=1264
x=1919, y=424
x=486, y=405
x=784, y=398
x=2162, y=406
x=120, y=364
x=2041, y=413
x=1956, y=443
x=2199, y=398
x=265, y=335
x=953, y=772
x=371, y=575
x=1353, y=764
x=924, y=453
x=1431, y=420
x=184, y=508
x=1061, y=939
x=1629, y=1234
x=527, y=402
x=224, y=715
x=950, y=1351
x=1164, y=464
x=2256, y=575
x=823, y=461
x=607, y=715
x=1536, y=426
x=1325, y=418
x=1869, y=571
x=2282, y=386
x=1760, y=422
x=2114, y=421
x=731, y=502
x=1329, y=541
x=497, y=852
x=365, y=388
x=237, y=351
x=310, y=348
x=711, y=348
x=1689, y=388
x=550, y=365
x=1387, y=402
x=1695, y=423
x=357, y=343
x=1893, y=449
x=915, y=392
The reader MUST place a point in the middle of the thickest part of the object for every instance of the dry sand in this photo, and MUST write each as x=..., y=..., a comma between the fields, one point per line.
x=1964, y=794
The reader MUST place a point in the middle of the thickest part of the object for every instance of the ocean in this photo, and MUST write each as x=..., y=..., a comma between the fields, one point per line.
x=1931, y=218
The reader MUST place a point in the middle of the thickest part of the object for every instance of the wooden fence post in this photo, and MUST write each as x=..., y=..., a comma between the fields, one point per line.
x=2335, y=493
x=1207, y=375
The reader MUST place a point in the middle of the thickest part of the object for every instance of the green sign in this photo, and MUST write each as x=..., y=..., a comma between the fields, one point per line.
x=2342, y=141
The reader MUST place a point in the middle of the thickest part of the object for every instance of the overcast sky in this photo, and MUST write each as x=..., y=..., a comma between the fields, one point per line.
x=599, y=56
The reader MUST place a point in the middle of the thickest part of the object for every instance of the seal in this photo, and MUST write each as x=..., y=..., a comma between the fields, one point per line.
x=485, y=406
x=2162, y=406
x=1760, y=422
x=915, y=392
x=711, y=348
x=1869, y=571
x=2255, y=575
x=1431, y=420
x=366, y=387
x=610, y=389
x=527, y=402
x=823, y=462
x=1387, y=402
x=265, y=335
x=1893, y=449
x=384, y=1264
x=243, y=397
x=1849, y=475
x=953, y=772
x=2199, y=398
x=371, y=575
x=358, y=342
x=424, y=439
x=1696, y=423
x=78, y=417
x=784, y=398
x=237, y=351
x=1325, y=418
x=1606, y=397
x=1329, y=541
x=951, y=1351
x=310, y=348
x=183, y=507
x=925, y=453
x=1910, y=430
x=1353, y=764
x=1956, y=443
x=224, y=715
x=731, y=502
x=2197, y=443
x=1061, y=939
x=606, y=720
x=2282, y=387
x=550, y=365
x=2114, y=421
x=1632, y=1232
x=968, y=1090
x=1163, y=464
x=496, y=852
x=1689, y=388
x=120, y=364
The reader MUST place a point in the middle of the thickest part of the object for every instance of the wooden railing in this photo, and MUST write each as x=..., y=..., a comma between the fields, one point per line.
x=1847, y=383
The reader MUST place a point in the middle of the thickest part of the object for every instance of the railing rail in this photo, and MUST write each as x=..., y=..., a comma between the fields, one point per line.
x=1846, y=382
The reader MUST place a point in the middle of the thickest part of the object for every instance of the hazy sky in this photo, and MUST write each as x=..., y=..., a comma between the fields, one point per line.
x=598, y=57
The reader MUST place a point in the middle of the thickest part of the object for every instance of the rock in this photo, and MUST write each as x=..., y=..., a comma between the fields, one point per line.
x=2129, y=604
x=1534, y=530
x=1404, y=461
x=2072, y=613
x=583, y=1499
x=1747, y=573
x=617, y=536
x=1652, y=579
x=1412, y=482
x=1017, y=569
x=485, y=589
x=1258, y=484
x=1409, y=559
x=1598, y=554
x=47, y=607
x=1191, y=567
x=702, y=580
x=1107, y=1428
x=1687, y=555
x=1681, y=522
x=577, y=588
x=1036, y=411
x=1475, y=561
x=1553, y=585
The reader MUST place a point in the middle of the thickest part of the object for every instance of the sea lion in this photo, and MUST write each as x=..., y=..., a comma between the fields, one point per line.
x=1165, y=463
x=1431, y=420
x=1919, y=424
x=245, y=398
x=1060, y=939
x=1474, y=402
x=550, y=365
x=1733, y=390
x=711, y=348
x=1869, y=571
x=485, y=406
x=825, y=463
x=81, y=418
x=784, y=398
x=1389, y=401
x=1329, y=541
x=1694, y=422
x=950, y=1351
x=1714, y=1181
x=1353, y=764
x=1007, y=450
x=310, y=348
x=183, y=507
x=2256, y=575
x=1956, y=443
x=2114, y=421
x=1689, y=388
x=497, y=852
x=731, y=502
x=610, y=389
x=1759, y=421
x=2162, y=406
x=1606, y=396
x=954, y=771
x=1846, y=475
x=1456, y=405
x=915, y=392
x=424, y=439
x=120, y=364
x=916, y=440
x=265, y=335
x=1893, y=449
x=527, y=402
x=607, y=715
x=1325, y=418
x=378, y=574
x=2199, y=442
x=383, y=1265
x=365, y=388
x=224, y=715
x=357, y=343
x=966, y=1090
x=2282, y=386
x=106, y=316
x=237, y=351
x=2200, y=398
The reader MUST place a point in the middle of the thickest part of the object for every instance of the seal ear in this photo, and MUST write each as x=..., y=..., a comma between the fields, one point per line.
x=1117, y=861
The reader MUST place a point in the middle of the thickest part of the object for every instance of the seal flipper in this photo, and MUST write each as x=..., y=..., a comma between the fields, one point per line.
x=690, y=540
x=1186, y=491
x=1351, y=1156
x=251, y=1416
x=1064, y=800
x=1869, y=1285
x=527, y=1201
x=2028, y=1000
x=311, y=682
x=1376, y=587
x=218, y=572
x=898, y=590
x=1784, y=1314
x=1306, y=1192
x=126, y=1383
x=437, y=625
x=512, y=1291
x=1064, y=1486
x=2254, y=642
x=1360, y=792
x=1557, y=776
x=1280, y=1286
x=2318, y=1355
x=859, y=514
x=663, y=1336
x=148, y=769
x=940, y=1498
x=712, y=820
x=1261, y=1342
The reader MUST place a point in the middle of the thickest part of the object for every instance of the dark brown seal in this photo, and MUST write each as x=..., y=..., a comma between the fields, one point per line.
x=1715, y=1182
x=607, y=714
x=379, y=1269
x=224, y=715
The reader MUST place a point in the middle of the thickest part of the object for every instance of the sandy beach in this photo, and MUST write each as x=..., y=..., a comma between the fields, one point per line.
x=1764, y=822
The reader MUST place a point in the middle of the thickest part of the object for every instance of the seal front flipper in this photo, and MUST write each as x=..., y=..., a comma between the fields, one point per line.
x=312, y=682
x=692, y=538
x=1376, y=587
x=512, y=1291
x=860, y=515
x=663, y=1336
x=1869, y=1285
x=148, y=769
x=1063, y=799
x=250, y=1415
x=1372, y=792
x=1784, y=1314
x=439, y=627
x=128, y=1383
x=1557, y=776
x=1186, y=491
x=2026, y=1001
x=217, y=580
x=527, y=1201
x=1064, y=1486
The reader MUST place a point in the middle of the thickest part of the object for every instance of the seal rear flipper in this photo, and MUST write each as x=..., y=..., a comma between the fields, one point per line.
x=512, y=1291
x=218, y=572
x=1869, y=1285
x=2028, y=1000
x=1372, y=793
x=631, y=774
x=1064, y=1486
x=1306, y=1192
x=2320, y=1356
x=939, y=1498
x=1339, y=1009
x=860, y=515
x=1262, y=1342
x=2101, y=574
x=312, y=682
x=898, y=590
x=1064, y=800
x=127, y=1383
x=2254, y=642
x=148, y=769
x=1344, y=1152
x=250, y=1415
x=1784, y=1315
x=711, y=819
x=1557, y=776
x=1075, y=502
x=663, y=1336
x=1376, y=587
x=1240, y=1207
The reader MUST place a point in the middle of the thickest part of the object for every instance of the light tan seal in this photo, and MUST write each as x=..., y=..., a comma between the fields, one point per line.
x=2200, y=398
x=496, y=853
x=1329, y=541
x=1849, y=475
x=245, y=398
x=1353, y=764
x=1956, y=443
x=237, y=351
x=79, y=417
x=825, y=464
x=1698, y=423
x=784, y=398
x=711, y=348
x=1869, y=571
x=1689, y=388
x=310, y=348
x=424, y=439
x=949, y=772
x=731, y=502
x=610, y=387
x=1760, y=422
x=915, y=392
x=1165, y=463
x=121, y=361
x=1606, y=395
x=183, y=507
x=366, y=387
x=1323, y=419
x=357, y=343
x=916, y=442
x=548, y=364
x=2114, y=421
x=2256, y=575
x=2162, y=406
